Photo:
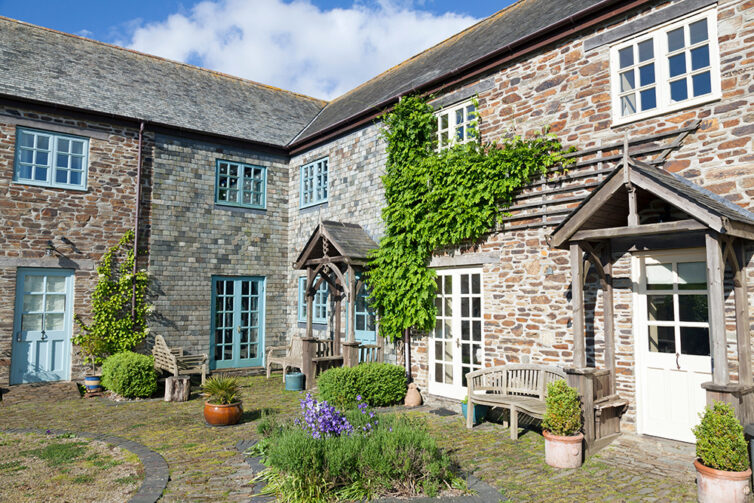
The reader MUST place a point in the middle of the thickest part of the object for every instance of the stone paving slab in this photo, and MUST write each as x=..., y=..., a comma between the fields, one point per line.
x=45, y=391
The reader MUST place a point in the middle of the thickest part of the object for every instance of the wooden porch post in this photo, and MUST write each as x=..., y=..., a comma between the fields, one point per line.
x=743, y=331
x=336, y=330
x=309, y=301
x=715, y=269
x=607, y=310
x=577, y=301
x=351, y=298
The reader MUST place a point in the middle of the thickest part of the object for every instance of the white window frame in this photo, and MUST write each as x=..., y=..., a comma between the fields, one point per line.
x=314, y=172
x=53, y=139
x=450, y=111
x=662, y=71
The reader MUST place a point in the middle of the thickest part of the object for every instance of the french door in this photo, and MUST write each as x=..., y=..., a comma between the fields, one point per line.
x=41, y=347
x=673, y=343
x=456, y=344
x=237, y=322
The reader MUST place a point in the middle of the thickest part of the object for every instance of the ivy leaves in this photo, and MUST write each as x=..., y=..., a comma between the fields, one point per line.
x=438, y=200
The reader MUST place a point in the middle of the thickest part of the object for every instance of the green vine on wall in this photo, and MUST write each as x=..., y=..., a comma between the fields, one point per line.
x=113, y=328
x=440, y=199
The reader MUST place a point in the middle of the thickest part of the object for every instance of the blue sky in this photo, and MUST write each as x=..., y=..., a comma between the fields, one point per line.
x=317, y=47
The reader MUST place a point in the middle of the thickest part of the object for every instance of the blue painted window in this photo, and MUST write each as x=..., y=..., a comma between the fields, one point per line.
x=314, y=183
x=238, y=184
x=320, y=304
x=51, y=159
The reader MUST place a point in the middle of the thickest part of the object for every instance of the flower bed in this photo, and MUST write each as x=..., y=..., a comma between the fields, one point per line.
x=329, y=455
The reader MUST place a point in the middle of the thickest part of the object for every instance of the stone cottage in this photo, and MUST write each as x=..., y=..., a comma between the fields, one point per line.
x=630, y=269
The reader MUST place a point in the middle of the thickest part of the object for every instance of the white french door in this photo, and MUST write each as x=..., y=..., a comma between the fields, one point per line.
x=672, y=341
x=457, y=342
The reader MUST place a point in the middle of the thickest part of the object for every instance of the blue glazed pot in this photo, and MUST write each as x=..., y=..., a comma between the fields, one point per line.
x=92, y=384
x=294, y=381
x=480, y=411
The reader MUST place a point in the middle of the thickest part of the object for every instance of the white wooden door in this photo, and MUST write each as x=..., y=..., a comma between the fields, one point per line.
x=673, y=347
x=457, y=342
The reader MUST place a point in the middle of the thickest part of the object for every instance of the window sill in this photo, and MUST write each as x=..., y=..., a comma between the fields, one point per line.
x=240, y=209
x=48, y=186
x=313, y=207
x=675, y=108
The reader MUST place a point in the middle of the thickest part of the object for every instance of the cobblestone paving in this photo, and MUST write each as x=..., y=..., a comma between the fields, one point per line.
x=205, y=466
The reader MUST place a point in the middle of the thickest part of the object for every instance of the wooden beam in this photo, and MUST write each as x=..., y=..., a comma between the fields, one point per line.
x=577, y=303
x=351, y=289
x=715, y=270
x=743, y=331
x=639, y=230
x=608, y=315
x=325, y=260
x=740, y=229
x=309, y=303
x=633, y=211
x=594, y=259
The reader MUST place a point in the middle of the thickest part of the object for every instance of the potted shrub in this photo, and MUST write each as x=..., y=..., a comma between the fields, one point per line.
x=561, y=426
x=223, y=404
x=480, y=411
x=722, y=464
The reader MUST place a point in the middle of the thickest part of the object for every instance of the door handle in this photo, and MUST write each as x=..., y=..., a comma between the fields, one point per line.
x=44, y=335
x=677, y=356
x=18, y=336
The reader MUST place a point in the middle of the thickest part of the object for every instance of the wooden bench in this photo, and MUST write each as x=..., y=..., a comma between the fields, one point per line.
x=175, y=362
x=517, y=387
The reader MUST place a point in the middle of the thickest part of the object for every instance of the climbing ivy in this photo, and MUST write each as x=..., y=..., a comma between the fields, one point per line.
x=440, y=199
x=113, y=328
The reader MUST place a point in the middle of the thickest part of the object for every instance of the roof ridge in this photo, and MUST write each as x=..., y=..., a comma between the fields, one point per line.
x=167, y=60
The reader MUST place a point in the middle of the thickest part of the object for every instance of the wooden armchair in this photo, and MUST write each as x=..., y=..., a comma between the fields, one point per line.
x=175, y=362
x=287, y=356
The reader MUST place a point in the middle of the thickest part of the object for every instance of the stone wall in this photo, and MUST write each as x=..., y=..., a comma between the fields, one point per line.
x=92, y=220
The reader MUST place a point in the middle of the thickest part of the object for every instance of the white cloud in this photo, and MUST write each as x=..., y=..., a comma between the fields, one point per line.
x=297, y=45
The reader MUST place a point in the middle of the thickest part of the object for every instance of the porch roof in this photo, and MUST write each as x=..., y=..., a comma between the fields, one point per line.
x=351, y=242
x=705, y=208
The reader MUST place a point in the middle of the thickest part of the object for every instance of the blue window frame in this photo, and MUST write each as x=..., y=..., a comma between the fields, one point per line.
x=314, y=182
x=51, y=159
x=319, y=305
x=238, y=184
x=237, y=326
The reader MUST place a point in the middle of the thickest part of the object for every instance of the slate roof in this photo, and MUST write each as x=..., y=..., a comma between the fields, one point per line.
x=493, y=33
x=53, y=67
x=349, y=240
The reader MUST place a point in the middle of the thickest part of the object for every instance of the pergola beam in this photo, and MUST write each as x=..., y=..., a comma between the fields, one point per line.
x=639, y=230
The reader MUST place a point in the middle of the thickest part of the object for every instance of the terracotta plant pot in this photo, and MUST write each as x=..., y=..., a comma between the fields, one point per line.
x=413, y=397
x=563, y=452
x=222, y=415
x=719, y=486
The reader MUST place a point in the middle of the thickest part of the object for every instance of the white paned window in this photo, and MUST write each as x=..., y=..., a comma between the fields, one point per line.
x=51, y=159
x=456, y=124
x=671, y=67
x=314, y=182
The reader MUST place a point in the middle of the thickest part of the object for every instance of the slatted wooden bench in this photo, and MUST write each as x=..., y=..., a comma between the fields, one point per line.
x=175, y=362
x=517, y=387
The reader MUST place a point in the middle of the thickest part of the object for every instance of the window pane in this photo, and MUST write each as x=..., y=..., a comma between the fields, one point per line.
x=659, y=276
x=693, y=308
x=675, y=39
x=61, y=176
x=628, y=104
x=43, y=142
x=698, y=31
x=702, y=84
x=459, y=116
x=24, y=172
x=692, y=276
x=27, y=156
x=63, y=145
x=700, y=57
x=55, y=322
x=444, y=121
x=660, y=307
x=626, y=57
x=459, y=133
x=648, y=99
x=678, y=90
x=646, y=50
x=26, y=139
x=647, y=74
x=78, y=147
x=677, y=64
x=75, y=178
x=661, y=339
x=627, y=81
x=695, y=341
x=40, y=174
x=42, y=158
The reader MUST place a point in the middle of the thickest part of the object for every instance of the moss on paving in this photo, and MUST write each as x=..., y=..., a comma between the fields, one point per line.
x=204, y=465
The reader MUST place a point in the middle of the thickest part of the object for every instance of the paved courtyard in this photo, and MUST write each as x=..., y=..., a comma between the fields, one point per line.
x=205, y=466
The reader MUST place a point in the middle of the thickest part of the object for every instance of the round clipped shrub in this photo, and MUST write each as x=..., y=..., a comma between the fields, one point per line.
x=130, y=374
x=563, y=413
x=720, y=442
x=378, y=384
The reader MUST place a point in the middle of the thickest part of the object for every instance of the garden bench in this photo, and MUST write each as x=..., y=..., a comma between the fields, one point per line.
x=175, y=362
x=292, y=356
x=517, y=387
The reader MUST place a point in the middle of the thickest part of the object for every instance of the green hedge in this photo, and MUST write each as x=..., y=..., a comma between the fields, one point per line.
x=130, y=374
x=378, y=384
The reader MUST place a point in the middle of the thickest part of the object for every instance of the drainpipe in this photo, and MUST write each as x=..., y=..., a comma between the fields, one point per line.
x=407, y=353
x=136, y=218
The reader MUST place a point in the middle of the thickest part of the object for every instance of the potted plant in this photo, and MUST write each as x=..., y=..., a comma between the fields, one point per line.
x=480, y=411
x=722, y=464
x=223, y=401
x=561, y=426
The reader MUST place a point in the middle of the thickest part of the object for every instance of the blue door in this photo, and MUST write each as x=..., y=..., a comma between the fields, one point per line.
x=237, y=322
x=41, y=348
x=366, y=330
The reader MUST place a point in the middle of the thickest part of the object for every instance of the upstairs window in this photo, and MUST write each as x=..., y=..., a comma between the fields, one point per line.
x=456, y=124
x=667, y=69
x=51, y=159
x=314, y=183
x=319, y=305
x=238, y=184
